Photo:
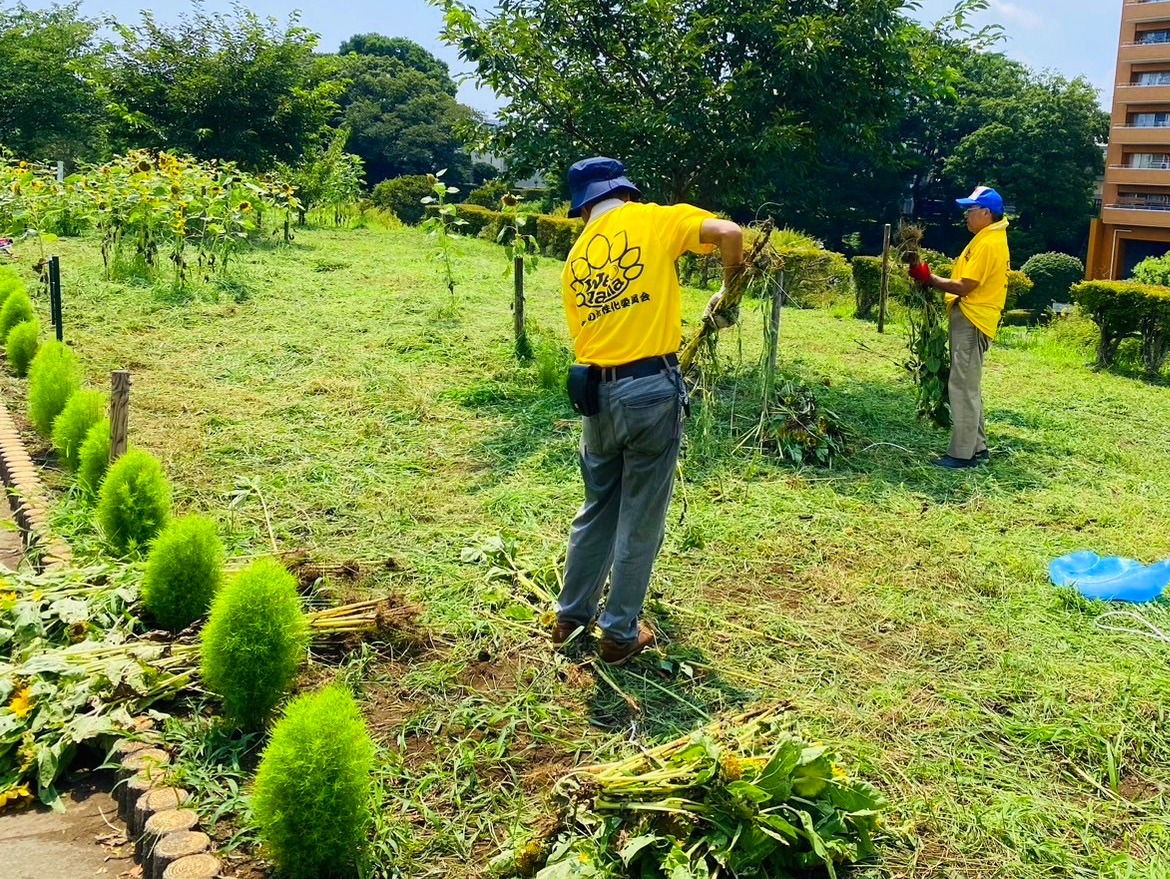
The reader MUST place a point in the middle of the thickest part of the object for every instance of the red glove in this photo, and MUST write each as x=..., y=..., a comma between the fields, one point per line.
x=921, y=273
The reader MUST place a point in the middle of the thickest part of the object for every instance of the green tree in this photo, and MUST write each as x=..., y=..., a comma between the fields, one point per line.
x=696, y=96
x=408, y=52
x=401, y=120
x=49, y=62
x=219, y=86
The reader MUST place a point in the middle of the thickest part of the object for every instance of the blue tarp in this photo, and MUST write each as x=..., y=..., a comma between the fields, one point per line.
x=1110, y=578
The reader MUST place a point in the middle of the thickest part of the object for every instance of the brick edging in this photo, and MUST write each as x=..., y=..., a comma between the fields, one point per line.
x=29, y=499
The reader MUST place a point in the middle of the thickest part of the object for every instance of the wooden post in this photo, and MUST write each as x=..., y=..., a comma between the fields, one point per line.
x=119, y=412
x=774, y=339
x=885, y=291
x=518, y=304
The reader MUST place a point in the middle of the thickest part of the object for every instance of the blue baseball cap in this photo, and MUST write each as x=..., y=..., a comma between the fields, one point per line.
x=983, y=197
x=591, y=180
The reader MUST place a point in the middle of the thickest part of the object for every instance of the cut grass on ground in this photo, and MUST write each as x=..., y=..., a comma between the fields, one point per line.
x=903, y=612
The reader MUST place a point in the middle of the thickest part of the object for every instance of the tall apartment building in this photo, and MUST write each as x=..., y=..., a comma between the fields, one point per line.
x=1135, y=202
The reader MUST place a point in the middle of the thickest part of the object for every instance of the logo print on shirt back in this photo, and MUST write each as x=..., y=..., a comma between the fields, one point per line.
x=606, y=271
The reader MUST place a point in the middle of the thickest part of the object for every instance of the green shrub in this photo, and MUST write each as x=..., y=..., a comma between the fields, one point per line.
x=94, y=457
x=813, y=278
x=475, y=218
x=82, y=412
x=183, y=572
x=1019, y=289
x=403, y=196
x=254, y=642
x=489, y=195
x=1123, y=309
x=17, y=308
x=313, y=800
x=556, y=235
x=53, y=377
x=1153, y=270
x=10, y=283
x=21, y=345
x=134, y=503
x=1052, y=275
x=867, y=285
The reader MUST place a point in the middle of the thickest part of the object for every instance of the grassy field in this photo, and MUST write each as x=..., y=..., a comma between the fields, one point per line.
x=902, y=612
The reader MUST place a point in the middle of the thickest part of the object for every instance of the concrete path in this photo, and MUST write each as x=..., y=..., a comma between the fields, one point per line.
x=40, y=844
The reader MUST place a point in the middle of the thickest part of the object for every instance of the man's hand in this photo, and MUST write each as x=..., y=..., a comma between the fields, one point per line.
x=921, y=273
x=722, y=320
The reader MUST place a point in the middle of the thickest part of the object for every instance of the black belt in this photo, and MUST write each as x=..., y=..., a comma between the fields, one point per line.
x=647, y=366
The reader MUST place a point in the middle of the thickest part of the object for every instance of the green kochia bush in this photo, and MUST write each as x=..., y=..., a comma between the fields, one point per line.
x=82, y=412
x=134, y=503
x=94, y=457
x=10, y=282
x=21, y=345
x=53, y=377
x=313, y=799
x=254, y=641
x=17, y=308
x=183, y=572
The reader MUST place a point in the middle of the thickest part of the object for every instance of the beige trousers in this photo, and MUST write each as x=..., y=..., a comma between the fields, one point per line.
x=968, y=347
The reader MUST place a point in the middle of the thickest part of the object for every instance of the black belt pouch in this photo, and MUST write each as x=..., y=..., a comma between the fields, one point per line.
x=584, y=382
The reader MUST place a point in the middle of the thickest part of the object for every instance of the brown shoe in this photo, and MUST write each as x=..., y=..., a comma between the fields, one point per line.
x=613, y=653
x=563, y=630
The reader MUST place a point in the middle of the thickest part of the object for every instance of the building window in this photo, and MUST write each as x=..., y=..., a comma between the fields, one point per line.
x=1144, y=201
x=1153, y=37
x=1153, y=77
x=1153, y=161
x=1151, y=120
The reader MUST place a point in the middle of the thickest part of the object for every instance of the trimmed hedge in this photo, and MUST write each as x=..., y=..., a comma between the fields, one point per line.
x=555, y=235
x=1019, y=288
x=403, y=196
x=867, y=280
x=1124, y=309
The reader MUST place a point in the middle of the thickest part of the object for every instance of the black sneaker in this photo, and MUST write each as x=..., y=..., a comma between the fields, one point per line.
x=949, y=463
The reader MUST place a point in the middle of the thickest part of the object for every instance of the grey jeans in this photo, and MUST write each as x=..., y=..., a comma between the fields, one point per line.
x=968, y=347
x=628, y=455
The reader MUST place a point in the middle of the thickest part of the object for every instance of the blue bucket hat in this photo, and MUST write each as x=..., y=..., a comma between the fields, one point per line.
x=591, y=180
x=983, y=197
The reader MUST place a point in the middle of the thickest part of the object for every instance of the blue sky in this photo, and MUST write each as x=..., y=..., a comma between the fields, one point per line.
x=1072, y=37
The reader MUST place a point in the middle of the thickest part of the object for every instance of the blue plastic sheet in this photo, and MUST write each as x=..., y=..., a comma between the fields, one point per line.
x=1110, y=578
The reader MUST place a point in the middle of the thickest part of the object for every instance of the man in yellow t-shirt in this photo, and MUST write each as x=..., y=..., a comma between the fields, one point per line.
x=975, y=296
x=624, y=309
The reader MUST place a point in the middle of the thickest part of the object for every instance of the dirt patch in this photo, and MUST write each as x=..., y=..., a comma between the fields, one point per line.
x=1137, y=790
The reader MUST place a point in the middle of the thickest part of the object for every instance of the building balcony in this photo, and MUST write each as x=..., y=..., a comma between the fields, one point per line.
x=1153, y=10
x=1135, y=216
x=1127, y=175
x=1148, y=135
x=1137, y=53
x=1143, y=94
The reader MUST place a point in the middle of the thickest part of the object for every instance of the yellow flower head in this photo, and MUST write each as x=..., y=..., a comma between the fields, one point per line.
x=15, y=795
x=245, y=206
x=21, y=703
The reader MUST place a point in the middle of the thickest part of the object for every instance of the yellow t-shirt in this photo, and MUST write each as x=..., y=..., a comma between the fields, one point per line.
x=985, y=260
x=620, y=285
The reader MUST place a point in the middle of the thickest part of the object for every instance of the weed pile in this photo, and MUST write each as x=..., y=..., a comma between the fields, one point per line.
x=739, y=797
x=929, y=363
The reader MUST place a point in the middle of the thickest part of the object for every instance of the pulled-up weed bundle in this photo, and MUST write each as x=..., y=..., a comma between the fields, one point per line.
x=742, y=797
x=20, y=345
x=795, y=426
x=183, y=572
x=313, y=799
x=930, y=360
x=82, y=412
x=135, y=502
x=53, y=377
x=255, y=640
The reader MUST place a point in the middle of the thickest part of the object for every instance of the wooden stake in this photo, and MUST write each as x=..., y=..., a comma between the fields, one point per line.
x=774, y=339
x=885, y=290
x=119, y=412
x=518, y=303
